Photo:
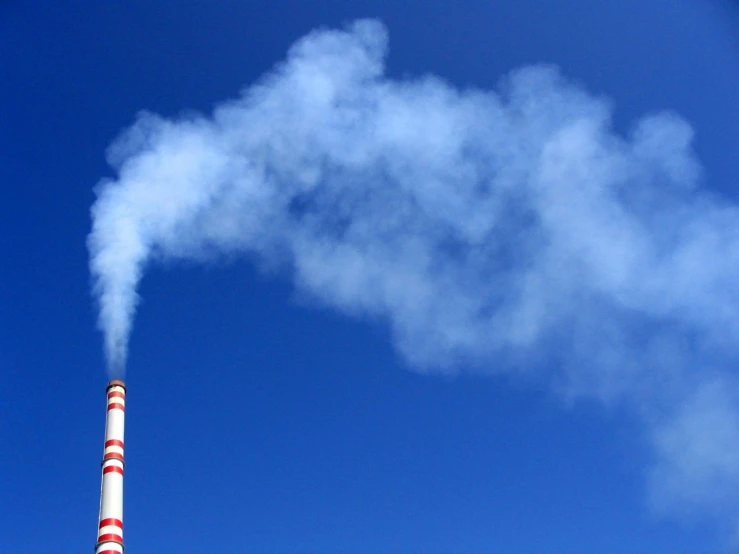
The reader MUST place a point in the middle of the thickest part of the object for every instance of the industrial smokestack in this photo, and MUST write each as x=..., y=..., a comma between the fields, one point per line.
x=110, y=519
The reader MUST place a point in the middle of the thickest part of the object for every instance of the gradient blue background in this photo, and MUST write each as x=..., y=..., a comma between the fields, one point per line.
x=257, y=422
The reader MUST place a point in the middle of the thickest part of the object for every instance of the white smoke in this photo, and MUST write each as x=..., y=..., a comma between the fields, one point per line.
x=508, y=230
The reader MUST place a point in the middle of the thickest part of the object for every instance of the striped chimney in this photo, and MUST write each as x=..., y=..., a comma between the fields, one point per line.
x=110, y=520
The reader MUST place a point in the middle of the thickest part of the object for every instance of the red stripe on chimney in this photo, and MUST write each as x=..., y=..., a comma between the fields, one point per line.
x=111, y=521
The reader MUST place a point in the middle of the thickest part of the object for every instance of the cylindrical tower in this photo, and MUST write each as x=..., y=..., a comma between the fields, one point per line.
x=110, y=520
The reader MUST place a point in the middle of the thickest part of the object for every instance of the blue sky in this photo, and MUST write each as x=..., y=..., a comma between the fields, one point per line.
x=269, y=413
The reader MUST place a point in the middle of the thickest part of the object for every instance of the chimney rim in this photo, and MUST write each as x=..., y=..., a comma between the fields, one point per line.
x=115, y=383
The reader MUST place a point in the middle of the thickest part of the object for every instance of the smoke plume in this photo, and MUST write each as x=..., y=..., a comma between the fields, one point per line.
x=506, y=230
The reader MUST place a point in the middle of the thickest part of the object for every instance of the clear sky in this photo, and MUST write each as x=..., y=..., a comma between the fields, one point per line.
x=260, y=417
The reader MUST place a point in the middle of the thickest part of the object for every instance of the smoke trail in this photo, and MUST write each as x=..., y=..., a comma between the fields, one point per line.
x=492, y=230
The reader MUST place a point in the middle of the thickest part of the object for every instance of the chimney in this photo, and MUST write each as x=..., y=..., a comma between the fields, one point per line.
x=110, y=520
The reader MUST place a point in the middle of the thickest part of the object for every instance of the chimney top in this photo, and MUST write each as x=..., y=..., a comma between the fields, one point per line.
x=116, y=383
